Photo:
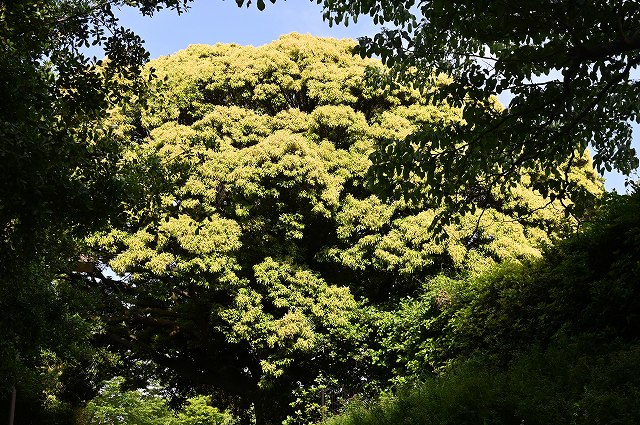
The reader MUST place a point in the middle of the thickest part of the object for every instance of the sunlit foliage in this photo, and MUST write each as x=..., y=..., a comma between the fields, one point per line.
x=253, y=250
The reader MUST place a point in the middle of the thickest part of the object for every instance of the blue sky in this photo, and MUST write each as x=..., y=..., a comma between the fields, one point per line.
x=217, y=21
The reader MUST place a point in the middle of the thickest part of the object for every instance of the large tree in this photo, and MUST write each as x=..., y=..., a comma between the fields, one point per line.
x=570, y=66
x=253, y=253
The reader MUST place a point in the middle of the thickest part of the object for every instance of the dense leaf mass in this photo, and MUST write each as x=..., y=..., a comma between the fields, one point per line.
x=256, y=265
x=254, y=256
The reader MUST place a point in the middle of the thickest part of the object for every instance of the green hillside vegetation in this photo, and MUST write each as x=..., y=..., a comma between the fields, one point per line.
x=549, y=341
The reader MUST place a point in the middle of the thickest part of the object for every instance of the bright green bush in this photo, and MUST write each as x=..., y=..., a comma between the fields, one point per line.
x=115, y=406
x=198, y=411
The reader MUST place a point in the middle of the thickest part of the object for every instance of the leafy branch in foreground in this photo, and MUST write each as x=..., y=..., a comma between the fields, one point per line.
x=570, y=67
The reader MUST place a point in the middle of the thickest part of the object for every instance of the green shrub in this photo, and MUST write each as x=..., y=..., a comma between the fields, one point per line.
x=561, y=385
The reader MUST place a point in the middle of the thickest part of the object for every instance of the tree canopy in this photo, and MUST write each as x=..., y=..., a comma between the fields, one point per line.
x=254, y=257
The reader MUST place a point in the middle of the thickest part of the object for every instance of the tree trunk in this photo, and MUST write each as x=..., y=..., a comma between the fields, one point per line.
x=260, y=413
x=12, y=407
